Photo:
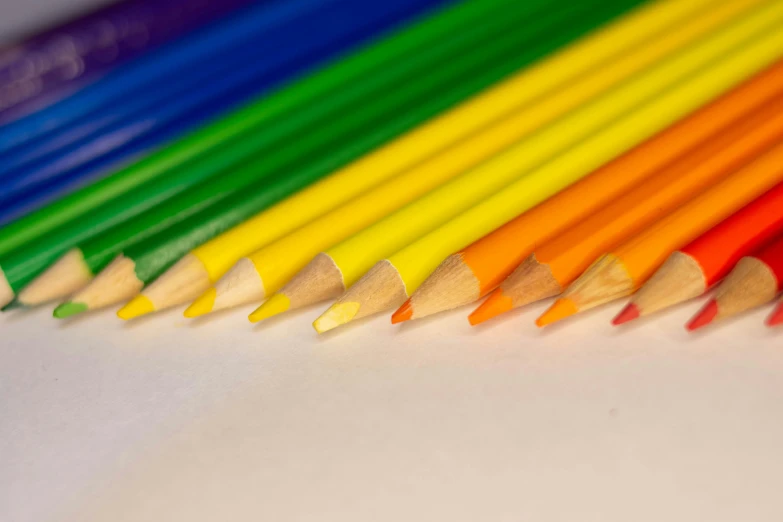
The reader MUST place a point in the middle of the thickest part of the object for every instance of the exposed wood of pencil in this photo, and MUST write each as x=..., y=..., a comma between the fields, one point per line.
x=605, y=281
x=320, y=280
x=680, y=279
x=116, y=283
x=67, y=275
x=433, y=297
x=380, y=289
x=532, y=281
x=750, y=285
x=6, y=292
x=242, y=284
x=183, y=282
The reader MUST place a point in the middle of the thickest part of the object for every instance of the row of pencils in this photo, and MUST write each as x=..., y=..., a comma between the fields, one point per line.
x=415, y=156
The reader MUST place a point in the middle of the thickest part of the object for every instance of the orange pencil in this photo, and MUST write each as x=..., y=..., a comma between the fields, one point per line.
x=470, y=274
x=754, y=282
x=629, y=266
x=557, y=263
x=693, y=270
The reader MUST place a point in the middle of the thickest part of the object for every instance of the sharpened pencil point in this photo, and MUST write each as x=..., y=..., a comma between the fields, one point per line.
x=69, y=309
x=275, y=305
x=404, y=313
x=629, y=313
x=496, y=304
x=337, y=315
x=138, y=306
x=16, y=304
x=706, y=316
x=776, y=319
x=562, y=309
x=203, y=305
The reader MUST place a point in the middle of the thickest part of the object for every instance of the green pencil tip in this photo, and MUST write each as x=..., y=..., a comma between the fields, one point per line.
x=69, y=309
x=13, y=305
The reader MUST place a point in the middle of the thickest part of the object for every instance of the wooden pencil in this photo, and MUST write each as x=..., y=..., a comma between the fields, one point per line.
x=315, y=154
x=541, y=100
x=404, y=271
x=754, y=282
x=626, y=268
x=468, y=275
x=694, y=269
x=556, y=263
x=30, y=244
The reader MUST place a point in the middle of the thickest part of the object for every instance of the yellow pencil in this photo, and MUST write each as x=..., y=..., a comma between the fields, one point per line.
x=343, y=264
x=264, y=272
x=389, y=283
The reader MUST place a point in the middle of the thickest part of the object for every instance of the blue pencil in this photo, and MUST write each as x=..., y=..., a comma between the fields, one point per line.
x=328, y=31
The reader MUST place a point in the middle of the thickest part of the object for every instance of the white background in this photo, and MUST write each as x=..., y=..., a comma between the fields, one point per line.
x=167, y=420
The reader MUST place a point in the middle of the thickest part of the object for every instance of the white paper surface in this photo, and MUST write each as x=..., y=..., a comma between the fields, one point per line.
x=164, y=419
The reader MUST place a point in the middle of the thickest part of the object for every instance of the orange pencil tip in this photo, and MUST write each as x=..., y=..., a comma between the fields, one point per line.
x=404, y=313
x=629, y=313
x=706, y=316
x=776, y=319
x=496, y=304
x=562, y=309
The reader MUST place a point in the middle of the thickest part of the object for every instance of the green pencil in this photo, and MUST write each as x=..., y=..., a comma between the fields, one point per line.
x=145, y=260
x=31, y=244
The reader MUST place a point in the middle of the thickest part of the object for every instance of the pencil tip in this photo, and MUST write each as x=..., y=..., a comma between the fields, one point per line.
x=404, y=313
x=337, y=315
x=275, y=305
x=706, y=316
x=138, y=306
x=201, y=306
x=496, y=304
x=629, y=313
x=13, y=305
x=776, y=319
x=69, y=309
x=561, y=309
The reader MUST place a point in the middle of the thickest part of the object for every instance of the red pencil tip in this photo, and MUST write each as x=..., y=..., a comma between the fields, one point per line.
x=629, y=313
x=705, y=317
x=404, y=313
x=776, y=319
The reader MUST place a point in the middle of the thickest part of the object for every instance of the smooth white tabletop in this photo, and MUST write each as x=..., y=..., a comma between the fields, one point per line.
x=164, y=419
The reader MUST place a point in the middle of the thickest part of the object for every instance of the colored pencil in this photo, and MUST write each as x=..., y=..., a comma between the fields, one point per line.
x=557, y=262
x=394, y=279
x=468, y=275
x=356, y=255
x=105, y=43
x=31, y=243
x=146, y=122
x=754, y=282
x=313, y=156
x=626, y=268
x=694, y=269
x=266, y=270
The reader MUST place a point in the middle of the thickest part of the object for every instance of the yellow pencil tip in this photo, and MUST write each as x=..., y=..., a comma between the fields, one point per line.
x=275, y=305
x=557, y=312
x=138, y=306
x=337, y=315
x=203, y=305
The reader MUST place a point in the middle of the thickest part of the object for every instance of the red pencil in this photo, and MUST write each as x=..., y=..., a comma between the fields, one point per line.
x=693, y=270
x=755, y=281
